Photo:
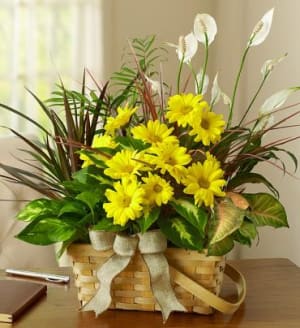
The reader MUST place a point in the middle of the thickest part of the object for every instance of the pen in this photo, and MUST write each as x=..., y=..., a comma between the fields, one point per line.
x=45, y=276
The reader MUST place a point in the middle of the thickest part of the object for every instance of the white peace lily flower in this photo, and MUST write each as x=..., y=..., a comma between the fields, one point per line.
x=155, y=85
x=276, y=100
x=261, y=29
x=226, y=99
x=205, y=82
x=215, y=91
x=264, y=123
x=204, y=23
x=187, y=47
x=269, y=64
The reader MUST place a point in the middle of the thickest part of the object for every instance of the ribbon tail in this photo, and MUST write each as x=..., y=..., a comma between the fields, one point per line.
x=109, y=270
x=161, y=286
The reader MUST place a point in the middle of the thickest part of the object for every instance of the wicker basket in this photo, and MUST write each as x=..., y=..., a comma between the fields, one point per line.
x=131, y=288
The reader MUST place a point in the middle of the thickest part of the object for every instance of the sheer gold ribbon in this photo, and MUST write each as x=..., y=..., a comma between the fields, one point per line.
x=152, y=245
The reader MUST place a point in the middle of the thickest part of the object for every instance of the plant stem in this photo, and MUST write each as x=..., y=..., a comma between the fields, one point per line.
x=179, y=74
x=236, y=85
x=205, y=64
x=254, y=98
x=195, y=77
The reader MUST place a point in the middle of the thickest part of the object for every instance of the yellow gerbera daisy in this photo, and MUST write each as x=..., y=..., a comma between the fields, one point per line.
x=181, y=106
x=207, y=126
x=154, y=133
x=171, y=158
x=157, y=190
x=204, y=181
x=122, y=118
x=123, y=164
x=99, y=141
x=125, y=202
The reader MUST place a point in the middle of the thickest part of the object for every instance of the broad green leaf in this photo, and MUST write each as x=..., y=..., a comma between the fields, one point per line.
x=266, y=210
x=148, y=219
x=131, y=143
x=46, y=231
x=248, y=230
x=39, y=207
x=181, y=233
x=90, y=198
x=237, y=236
x=193, y=214
x=73, y=206
x=221, y=248
x=107, y=224
x=228, y=218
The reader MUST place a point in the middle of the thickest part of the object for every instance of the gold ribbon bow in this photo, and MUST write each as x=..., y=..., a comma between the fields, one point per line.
x=152, y=245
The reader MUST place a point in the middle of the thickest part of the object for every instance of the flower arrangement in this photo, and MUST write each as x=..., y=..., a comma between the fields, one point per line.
x=144, y=158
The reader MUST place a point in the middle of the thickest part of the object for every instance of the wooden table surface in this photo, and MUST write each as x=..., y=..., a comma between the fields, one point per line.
x=272, y=301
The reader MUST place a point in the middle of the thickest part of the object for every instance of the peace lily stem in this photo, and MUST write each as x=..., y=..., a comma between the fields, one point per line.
x=254, y=98
x=179, y=74
x=237, y=80
x=205, y=64
x=195, y=76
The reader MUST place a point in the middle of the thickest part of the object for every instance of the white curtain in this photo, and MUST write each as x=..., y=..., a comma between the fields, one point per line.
x=42, y=40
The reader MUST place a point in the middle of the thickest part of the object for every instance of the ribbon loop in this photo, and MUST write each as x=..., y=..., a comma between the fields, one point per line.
x=125, y=245
x=152, y=242
x=102, y=240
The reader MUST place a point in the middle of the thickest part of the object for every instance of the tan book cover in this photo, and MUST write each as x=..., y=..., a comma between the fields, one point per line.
x=16, y=296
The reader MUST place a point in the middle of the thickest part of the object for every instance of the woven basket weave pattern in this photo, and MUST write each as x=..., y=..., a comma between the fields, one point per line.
x=131, y=288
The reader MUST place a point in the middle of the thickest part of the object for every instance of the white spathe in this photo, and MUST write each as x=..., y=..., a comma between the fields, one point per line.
x=261, y=29
x=205, y=24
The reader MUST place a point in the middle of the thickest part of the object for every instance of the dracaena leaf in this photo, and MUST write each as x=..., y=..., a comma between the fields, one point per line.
x=250, y=177
x=228, y=218
x=266, y=210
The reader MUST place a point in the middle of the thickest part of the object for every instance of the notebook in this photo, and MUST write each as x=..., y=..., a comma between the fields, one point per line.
x=16, y=296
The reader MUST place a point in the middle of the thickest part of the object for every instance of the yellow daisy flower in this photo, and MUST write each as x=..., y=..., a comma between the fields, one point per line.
x=157, y=190
x=154, y=133
x=123, y=164
x=99, y=141
x=122, y=118
x=205, y=181
x=207, y=126
x=125, y=201
x=171, y=158
x=181, y=106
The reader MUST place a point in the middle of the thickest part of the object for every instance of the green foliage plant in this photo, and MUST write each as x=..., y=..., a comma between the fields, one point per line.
x=134, y=156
